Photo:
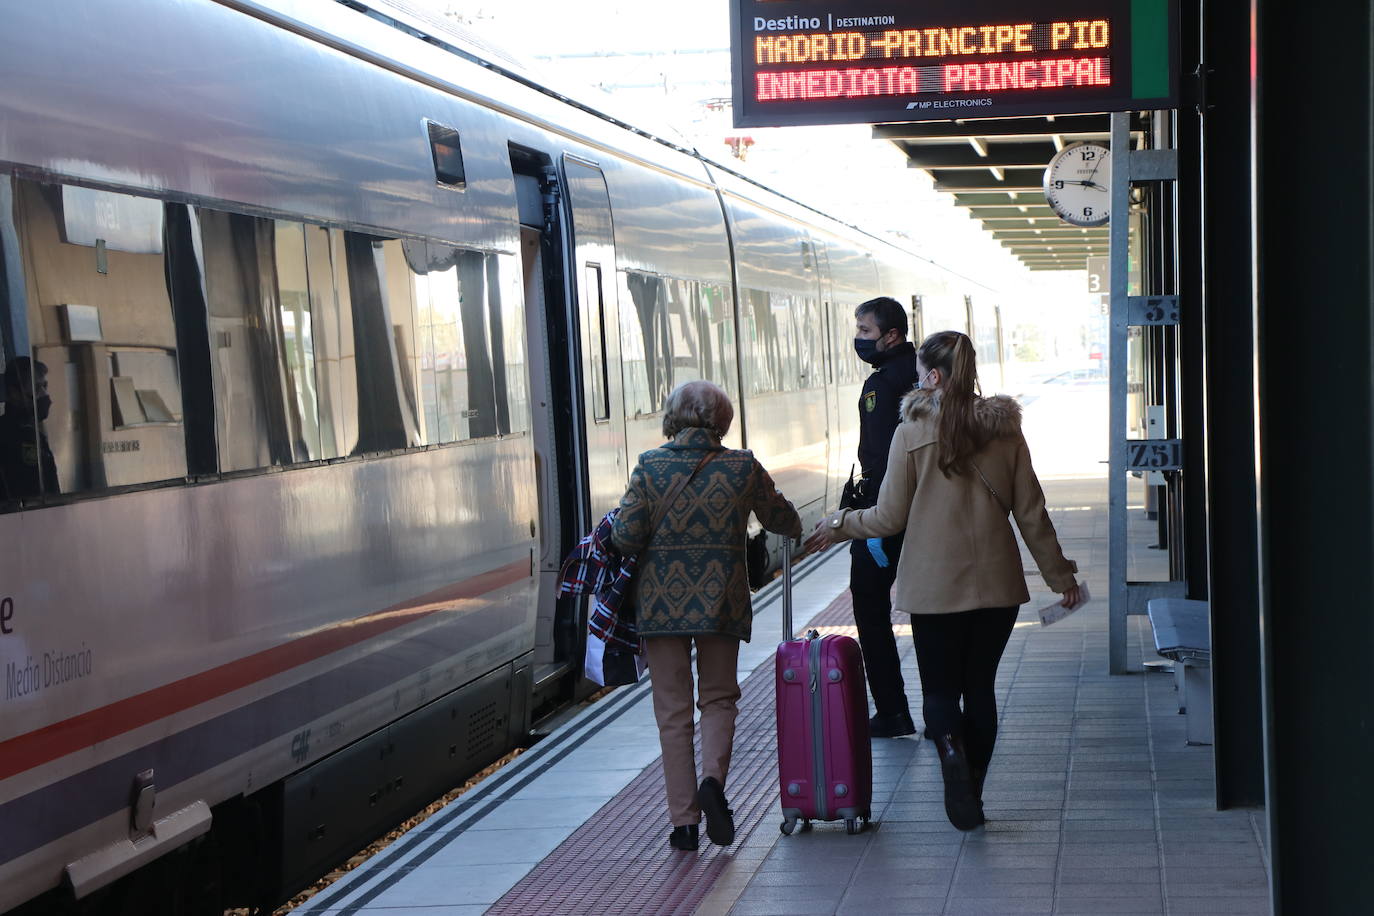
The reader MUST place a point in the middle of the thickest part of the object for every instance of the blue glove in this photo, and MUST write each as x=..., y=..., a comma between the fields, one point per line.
x=875, y=547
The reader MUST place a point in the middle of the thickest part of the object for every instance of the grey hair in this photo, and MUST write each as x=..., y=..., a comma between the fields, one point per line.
x=697, y=405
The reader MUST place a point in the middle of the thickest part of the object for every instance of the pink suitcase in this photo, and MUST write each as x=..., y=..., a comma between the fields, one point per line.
x=825, y=763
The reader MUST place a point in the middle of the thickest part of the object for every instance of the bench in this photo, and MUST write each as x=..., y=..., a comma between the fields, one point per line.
x=1183, y=634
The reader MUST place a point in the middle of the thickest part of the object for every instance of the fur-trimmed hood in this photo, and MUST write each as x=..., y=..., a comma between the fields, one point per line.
x=999, y=416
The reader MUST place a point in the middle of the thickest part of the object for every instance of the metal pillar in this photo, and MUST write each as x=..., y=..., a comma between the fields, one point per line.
x=1125, y=597
x=1117, y=264
x=1217, y=338
x=1314, y=309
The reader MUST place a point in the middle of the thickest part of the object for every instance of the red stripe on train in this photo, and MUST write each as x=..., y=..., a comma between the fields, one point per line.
x=46, y=744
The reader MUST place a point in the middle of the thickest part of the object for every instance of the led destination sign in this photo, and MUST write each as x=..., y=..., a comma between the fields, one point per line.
x=806, y=62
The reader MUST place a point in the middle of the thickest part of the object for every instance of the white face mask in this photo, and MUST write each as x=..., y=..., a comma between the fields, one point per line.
x=921, y=382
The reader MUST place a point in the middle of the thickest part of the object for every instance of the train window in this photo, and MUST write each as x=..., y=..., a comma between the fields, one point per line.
x=718, y=338
x=645, y=348
x=443, y=394
x=596, y=343
x=787, y=320
x=447, y=153
x=91, y=381
x=762, y=341
x=481, y=338
x=507, y=306
x=849, y=367
x=262, y=340
x=809, y=331
x=471, y=346
x=297, y=341
x=777, y=358
x=406, y=282
x=682, y=320
x=381, y=307
x=505, y=339
x=336, y=374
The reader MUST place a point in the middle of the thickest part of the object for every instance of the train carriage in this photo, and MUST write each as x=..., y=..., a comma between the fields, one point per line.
x=348, y=328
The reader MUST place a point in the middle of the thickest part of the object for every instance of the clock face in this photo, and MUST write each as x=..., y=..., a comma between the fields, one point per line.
x=1078, y=184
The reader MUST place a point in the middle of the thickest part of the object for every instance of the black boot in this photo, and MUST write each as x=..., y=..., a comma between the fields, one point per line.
x=720, y=820
x=979, y=774
x=961, y=806
x=684, y=837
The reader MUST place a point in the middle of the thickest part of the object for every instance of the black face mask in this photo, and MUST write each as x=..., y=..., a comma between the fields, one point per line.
x=866, y=349
x=43, y=405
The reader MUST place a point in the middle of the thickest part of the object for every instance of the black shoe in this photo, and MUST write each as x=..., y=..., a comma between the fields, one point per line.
x=961, y=807
x=720, y=820
x=892, y=726
x=684, y=837
x=978, y=775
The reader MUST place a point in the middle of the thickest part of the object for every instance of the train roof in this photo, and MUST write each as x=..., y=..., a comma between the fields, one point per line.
x=422, y=23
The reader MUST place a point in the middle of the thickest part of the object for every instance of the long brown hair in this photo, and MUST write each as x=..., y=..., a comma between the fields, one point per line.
x=957, y=436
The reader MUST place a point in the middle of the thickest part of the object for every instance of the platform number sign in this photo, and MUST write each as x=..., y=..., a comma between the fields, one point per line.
x=1153, y=310
x=1154, y=454
x=1100, y=284
x=1161, y=309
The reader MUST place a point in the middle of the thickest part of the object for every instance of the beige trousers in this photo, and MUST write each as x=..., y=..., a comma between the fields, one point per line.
x=670, y=663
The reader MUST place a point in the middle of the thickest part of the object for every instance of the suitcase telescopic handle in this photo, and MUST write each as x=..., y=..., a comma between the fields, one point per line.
x=786, y=589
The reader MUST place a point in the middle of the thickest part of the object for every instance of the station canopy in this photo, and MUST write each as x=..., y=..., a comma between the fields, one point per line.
x=995, y=168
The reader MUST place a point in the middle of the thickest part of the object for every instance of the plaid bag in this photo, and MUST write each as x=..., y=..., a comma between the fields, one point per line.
x=615, y=653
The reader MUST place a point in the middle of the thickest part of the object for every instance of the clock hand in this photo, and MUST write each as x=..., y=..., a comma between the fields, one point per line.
x=1093, y=173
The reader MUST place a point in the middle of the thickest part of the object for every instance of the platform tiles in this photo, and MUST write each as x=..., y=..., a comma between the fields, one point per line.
x=471, y=853
x=1095, y=804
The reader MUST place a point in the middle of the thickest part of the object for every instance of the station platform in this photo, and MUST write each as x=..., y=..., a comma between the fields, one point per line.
x=1095, y=804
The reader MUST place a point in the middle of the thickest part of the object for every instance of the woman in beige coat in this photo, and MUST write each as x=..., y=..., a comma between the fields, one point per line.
x=958, y=466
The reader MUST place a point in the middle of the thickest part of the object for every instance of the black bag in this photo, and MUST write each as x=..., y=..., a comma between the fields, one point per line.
x=620, y=666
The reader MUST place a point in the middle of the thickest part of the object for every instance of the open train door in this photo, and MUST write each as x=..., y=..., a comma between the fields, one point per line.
x=593, y=267
x=568, y=258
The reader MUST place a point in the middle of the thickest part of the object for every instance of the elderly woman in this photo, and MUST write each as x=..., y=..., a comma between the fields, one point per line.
x=692, y=587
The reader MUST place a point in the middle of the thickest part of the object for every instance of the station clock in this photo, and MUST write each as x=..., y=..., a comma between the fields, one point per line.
x=1078, y=184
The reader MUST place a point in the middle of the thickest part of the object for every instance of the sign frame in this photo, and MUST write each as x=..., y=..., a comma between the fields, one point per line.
x=817, y=74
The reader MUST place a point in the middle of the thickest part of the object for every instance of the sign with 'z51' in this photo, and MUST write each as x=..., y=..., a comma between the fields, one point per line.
x=811, y=62
x=1154, y=454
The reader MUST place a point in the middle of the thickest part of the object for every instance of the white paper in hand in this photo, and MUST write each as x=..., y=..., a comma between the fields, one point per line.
x=1055, y=612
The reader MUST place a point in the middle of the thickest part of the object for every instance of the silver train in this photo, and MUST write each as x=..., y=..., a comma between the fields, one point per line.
x=347, y=330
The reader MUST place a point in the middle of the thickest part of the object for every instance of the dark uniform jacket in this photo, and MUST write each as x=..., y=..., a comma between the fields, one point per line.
x=27, y=467
x=894, y=374
x=692, y=579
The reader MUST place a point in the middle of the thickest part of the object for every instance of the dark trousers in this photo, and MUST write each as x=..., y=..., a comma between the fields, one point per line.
x=958, y=656
x=871, y=586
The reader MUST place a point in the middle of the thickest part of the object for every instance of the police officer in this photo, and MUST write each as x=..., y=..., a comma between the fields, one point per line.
x=27, y=467
x=880, y=340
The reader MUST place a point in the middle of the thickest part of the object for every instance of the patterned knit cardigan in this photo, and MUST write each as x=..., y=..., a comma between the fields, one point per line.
x=693, y=580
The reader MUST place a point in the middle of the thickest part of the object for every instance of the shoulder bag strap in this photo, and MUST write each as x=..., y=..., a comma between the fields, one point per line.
x=673, y=493
x=995, y=495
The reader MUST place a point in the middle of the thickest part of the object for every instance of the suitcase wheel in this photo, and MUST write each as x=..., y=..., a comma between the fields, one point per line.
x=787, y=826
x=853, y=825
